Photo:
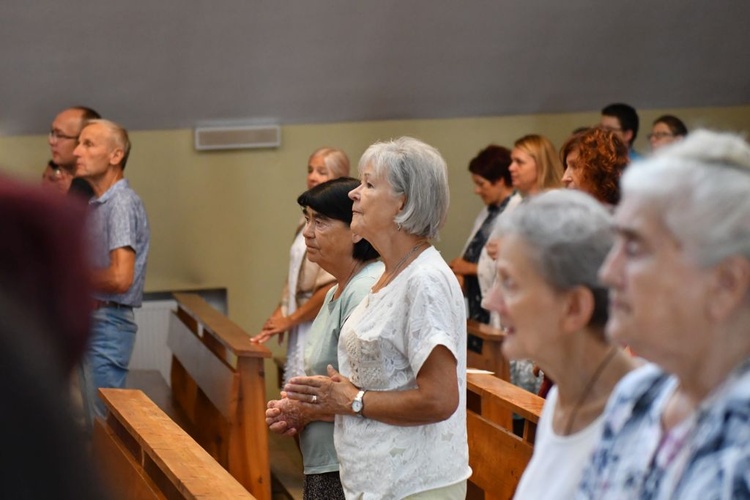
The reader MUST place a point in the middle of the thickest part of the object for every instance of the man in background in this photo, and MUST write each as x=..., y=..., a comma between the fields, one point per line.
x=120, y=235
x=622, y=119
x=63, y=139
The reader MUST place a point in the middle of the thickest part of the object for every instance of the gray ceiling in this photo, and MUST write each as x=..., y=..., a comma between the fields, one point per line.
x=160, y=64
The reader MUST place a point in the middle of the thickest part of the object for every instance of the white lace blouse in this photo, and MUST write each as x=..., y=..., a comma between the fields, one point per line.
x=382, y=347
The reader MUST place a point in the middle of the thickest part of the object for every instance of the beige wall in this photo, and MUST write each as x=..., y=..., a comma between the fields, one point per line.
x=226, y=219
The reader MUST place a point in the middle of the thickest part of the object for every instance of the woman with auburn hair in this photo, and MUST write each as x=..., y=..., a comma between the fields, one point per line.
x=594, y=160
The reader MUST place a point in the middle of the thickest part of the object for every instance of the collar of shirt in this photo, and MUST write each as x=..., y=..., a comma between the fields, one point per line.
x=117, y=186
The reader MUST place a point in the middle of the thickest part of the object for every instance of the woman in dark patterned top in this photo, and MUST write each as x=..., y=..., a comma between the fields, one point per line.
x=492, y=182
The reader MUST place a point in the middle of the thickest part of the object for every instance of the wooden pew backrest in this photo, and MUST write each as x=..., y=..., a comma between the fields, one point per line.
x=484, y=349
x=146, y=455
x=497, y=456
x=218, y=382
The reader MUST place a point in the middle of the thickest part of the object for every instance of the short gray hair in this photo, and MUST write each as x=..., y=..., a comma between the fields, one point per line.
x=417, y=171
x=569, y=234
x=118, y=134
x=700, y=188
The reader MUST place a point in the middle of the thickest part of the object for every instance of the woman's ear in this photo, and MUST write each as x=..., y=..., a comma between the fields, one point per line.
x=730, y=286
x=402, y=203
x=579, y=306
x=356, y=238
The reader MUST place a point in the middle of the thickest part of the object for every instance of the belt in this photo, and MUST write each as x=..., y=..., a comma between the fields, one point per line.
x=100, y=304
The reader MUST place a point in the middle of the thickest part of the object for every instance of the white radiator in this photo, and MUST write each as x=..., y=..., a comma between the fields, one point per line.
x=151, y=351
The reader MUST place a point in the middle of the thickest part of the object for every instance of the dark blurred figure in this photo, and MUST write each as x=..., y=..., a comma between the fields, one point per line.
x=55, y=178
x=43, y=262
x=44, y=311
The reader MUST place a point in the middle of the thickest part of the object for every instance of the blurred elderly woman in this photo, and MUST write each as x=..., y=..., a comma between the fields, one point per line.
x=666, y=130
x=553, y=310
x=307, y=284
x=399, y=401
x=594, y=160
x=492, y=182
x=679, y=278
x=352, y=261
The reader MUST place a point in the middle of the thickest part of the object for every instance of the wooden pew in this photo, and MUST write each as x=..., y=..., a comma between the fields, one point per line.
x=145, y=455
x=484, y=351
x=218, y=382
x=497, y=456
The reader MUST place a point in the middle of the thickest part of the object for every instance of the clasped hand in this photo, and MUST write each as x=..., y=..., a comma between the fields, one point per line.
x=308, y=399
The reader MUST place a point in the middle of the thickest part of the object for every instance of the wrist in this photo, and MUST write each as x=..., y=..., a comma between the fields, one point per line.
x=358, y=403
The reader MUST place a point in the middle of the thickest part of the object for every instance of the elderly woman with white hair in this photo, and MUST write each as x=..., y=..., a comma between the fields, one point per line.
x=554, y=309
x=399, y=401
x=679, y=278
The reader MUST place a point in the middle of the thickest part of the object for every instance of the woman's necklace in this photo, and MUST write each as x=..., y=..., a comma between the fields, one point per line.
x=342, y=285
x=400, y=263
x=597, y=373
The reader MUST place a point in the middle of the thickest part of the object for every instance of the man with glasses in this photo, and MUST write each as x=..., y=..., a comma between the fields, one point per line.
x=622, y=119
x=63, y=139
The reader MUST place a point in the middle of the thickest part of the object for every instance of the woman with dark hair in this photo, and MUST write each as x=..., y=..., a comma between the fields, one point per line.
x=492, y=183
x=352, y=261
x=307, y=284
x=594, y=160
x=666, y=130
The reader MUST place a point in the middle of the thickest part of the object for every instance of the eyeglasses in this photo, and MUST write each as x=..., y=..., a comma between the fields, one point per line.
x=54, y=135
x=610, y=128
x=659, y=135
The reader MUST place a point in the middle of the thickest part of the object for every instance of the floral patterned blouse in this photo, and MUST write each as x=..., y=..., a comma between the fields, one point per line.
x=707, y=456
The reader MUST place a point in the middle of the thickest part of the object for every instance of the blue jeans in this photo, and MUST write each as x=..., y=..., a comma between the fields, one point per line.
x=110, y=347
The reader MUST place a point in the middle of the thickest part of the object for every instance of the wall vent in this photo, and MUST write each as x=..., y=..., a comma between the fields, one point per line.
x=237, y=137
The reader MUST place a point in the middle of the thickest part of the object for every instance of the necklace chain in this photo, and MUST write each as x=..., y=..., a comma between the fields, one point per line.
x=401, y=263
x=597, y=374
x=354, y=268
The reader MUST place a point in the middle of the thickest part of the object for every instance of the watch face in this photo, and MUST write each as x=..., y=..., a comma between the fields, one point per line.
x=357, y=406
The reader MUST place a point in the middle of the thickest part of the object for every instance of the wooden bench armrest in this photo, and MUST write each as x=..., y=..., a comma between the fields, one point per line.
x=224, y=330
x=507, y=395
x=155, y=442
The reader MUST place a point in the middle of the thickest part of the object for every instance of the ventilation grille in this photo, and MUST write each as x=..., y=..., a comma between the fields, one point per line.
x=240, y=137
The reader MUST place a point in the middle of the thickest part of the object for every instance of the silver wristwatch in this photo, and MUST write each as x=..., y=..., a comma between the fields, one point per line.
x=358, y=405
